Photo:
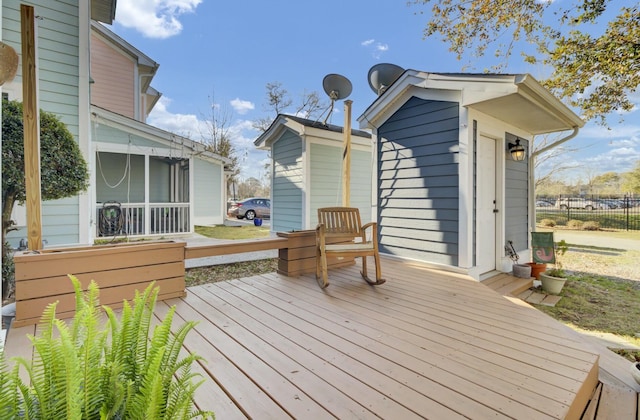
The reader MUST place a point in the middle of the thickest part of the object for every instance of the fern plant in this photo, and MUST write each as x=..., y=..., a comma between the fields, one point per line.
x=114, y=370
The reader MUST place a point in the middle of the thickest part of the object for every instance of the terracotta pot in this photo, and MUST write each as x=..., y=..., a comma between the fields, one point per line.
x=536, y=269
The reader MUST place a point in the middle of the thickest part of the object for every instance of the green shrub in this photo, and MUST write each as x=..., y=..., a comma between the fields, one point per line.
x=575, y=224
x=591, y=225
x=8, y=271
x=115, y=371
x=548, y=222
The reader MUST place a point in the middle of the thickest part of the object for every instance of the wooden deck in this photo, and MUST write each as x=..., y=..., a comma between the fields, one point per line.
x=424, y=344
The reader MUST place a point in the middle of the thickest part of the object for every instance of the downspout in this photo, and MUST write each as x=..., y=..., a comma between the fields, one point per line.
x=532, y=158
x=558, y=143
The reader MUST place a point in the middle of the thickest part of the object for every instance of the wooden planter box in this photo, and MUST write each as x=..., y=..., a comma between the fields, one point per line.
x=119, y=270
x=300, y=256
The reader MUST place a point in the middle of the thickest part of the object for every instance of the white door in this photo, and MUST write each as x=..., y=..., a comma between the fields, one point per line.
x=486, y=208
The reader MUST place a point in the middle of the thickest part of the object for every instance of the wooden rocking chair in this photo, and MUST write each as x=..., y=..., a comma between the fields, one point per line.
x=343, y=224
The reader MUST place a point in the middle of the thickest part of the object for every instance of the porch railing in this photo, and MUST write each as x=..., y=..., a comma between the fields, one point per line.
x=164, y=218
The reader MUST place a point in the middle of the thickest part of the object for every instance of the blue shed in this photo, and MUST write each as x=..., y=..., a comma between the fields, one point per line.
x=448, y=192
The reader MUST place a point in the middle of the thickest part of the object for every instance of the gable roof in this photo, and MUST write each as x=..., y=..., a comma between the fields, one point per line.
x=298, y=124
x=166, y=138
x=518, y=99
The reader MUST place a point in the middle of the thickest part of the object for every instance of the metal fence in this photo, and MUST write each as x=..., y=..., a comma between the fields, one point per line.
x=621, y=213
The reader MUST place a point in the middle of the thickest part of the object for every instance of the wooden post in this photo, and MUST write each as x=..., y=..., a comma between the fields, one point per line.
x=346, y=155
x=31, y=122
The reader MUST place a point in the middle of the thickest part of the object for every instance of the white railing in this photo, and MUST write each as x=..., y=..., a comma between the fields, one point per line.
x=169, y=218
x=165, y=218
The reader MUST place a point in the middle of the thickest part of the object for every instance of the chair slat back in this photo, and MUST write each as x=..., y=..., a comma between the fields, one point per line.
x=340, y=221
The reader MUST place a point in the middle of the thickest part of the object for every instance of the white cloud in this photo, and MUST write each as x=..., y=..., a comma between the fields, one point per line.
x=186, y=125
x=242, y=107
x=154, y=18
x=242, y=133
x=376, y=48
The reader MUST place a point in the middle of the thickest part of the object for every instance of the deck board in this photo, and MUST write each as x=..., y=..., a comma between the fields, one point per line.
x=398, y=333
x=425, y=344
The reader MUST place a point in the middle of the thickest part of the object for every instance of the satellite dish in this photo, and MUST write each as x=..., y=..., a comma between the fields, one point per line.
x=336, y=86
x=8, y=63
x=382, y=75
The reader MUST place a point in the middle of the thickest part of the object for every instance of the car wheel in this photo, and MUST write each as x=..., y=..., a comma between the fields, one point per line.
x=563, y=207
x=589, y=208
x=250, y=215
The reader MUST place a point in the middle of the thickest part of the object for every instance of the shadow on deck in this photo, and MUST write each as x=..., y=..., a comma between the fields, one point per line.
x=425, y=344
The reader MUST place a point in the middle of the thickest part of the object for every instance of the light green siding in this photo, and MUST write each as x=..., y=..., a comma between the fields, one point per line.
x=208, y=192
x=58, y=63
x=105, y=134
x=326, y=180
x=288, y=181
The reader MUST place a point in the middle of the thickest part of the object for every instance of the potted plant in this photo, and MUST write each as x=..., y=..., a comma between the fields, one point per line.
x=554, y=278
x=519, y=270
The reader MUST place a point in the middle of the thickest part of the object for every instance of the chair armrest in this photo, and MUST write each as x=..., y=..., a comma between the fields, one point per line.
x=374, y=231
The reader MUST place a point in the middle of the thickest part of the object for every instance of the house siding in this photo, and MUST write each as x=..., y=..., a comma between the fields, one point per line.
x=418, y=185
x=208, y=192
x=113, y=74
x=159, y=180
x=105, y=134
x=288, y=182
x=58, y=70
x=326, y=180
x=517, y=198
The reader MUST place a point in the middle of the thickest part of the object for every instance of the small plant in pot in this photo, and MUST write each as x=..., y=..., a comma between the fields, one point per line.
x=519, y=270
x=553, y=279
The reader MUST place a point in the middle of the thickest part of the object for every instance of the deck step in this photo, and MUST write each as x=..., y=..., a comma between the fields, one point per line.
x=508, y=285
x=612, y=402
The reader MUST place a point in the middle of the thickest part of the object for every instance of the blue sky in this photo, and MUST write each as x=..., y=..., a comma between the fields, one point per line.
x=229, y=51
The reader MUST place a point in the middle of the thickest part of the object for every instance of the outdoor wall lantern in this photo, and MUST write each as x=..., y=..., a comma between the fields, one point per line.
x=517, y=150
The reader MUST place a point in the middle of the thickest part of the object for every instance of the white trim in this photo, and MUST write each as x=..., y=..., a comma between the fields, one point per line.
x=86, y=200
x=147, y=207
x=306, y=181
x=192, y=191
x=465, y=189
x=165, y=138
x=477, y=90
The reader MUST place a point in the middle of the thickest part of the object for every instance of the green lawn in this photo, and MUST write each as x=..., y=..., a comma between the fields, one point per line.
x=233, y=232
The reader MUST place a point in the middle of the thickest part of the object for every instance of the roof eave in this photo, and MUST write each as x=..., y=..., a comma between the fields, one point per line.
x=103, y=10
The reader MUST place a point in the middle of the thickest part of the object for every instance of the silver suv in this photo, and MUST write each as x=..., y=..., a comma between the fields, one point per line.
x=578, y=203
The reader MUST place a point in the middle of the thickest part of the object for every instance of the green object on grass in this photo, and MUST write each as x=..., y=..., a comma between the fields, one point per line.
x=543, y=248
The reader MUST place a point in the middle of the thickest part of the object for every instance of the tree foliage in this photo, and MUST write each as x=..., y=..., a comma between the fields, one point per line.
x=278, y=101
x=252, y=187
x=631, y=180
x=63, y=170
x=218, y=137
x=594, y=69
